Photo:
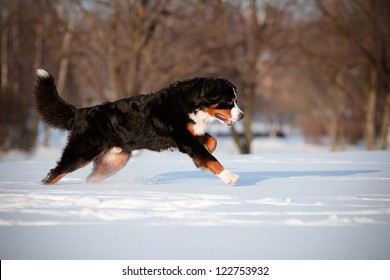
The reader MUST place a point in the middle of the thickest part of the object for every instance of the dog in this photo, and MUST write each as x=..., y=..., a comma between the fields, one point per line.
x=175, y=117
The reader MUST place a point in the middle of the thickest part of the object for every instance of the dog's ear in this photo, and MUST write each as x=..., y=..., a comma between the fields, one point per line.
x=201, y=92
x=198, y=86
x=212, y=90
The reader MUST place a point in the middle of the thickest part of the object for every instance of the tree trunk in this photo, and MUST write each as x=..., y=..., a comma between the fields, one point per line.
x=37, y=64
x=242, y=145
x=249, y=89
x=370, y=133
x=336, y=128
x=135, y=86
x=333, y=130
x=385, y=123
x=3, y=73
x=114, y=73
x=244, y=141
x=248, y=135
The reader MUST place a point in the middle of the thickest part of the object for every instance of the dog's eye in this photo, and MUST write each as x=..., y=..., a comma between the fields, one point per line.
x=230, y=103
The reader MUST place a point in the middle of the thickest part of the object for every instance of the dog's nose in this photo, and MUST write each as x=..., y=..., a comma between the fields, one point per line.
x=241, y=116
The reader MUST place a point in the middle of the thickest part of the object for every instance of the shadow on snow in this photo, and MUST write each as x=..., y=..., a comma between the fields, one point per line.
x=252, y=177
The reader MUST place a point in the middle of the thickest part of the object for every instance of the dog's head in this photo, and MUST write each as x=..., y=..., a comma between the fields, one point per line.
x=217, y=99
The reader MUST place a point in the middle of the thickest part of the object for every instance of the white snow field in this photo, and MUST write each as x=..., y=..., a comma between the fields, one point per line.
x=302, y=204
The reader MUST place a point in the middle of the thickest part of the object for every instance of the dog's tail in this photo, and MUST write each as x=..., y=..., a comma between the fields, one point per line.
x=54, y=110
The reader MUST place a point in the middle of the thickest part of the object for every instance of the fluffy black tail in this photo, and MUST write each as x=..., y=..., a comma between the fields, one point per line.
x=55, y=111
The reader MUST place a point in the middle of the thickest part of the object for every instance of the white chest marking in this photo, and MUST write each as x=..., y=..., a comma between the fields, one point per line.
x=202, y=121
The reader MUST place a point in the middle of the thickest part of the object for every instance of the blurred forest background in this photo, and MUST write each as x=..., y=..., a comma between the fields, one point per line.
x=321, y=66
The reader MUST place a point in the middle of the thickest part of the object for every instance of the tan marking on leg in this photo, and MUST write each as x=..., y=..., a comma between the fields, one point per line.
x=190, y=127
x=210, y=142
x=213, y=166
x=108, y=164
x=54, y=180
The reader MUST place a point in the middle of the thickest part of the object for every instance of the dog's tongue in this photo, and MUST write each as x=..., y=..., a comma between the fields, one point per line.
x=225, y=120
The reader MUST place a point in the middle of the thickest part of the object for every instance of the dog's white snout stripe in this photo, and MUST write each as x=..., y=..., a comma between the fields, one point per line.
x=237, y=114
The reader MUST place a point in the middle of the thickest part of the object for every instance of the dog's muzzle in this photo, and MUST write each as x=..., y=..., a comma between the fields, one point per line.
x=237, y=114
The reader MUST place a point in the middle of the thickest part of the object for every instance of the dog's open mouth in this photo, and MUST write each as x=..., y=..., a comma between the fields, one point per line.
x=224, y=120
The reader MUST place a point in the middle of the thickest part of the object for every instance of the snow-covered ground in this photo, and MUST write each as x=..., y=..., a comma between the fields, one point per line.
x=292, y=202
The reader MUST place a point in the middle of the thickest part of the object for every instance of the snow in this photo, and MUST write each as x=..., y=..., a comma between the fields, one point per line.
x=292, y=202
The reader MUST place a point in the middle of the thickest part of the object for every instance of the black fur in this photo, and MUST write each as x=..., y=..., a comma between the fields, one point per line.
x=155, y=121
x=55, y=111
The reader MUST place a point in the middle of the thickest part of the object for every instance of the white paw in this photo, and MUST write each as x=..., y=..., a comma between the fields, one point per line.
x=228, y=177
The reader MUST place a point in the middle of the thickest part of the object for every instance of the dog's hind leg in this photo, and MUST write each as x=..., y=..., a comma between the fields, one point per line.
x=62, y=169
x=76, y=155
x=107, y=164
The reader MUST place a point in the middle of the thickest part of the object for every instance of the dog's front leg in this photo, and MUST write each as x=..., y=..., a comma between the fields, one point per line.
x=206, y=139
x=228, y=177
x=206, y=161
x=214, y=166
x=209, y=141
x=199, y=148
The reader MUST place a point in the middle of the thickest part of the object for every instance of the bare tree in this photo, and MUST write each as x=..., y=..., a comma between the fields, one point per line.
x=331, y=61
x=103, y=50
x=262, y=52
x=365, y=25
x=124, y=38
x=17, y=39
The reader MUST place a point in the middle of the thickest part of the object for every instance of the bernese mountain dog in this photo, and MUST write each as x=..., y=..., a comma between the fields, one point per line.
x=174, y=117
